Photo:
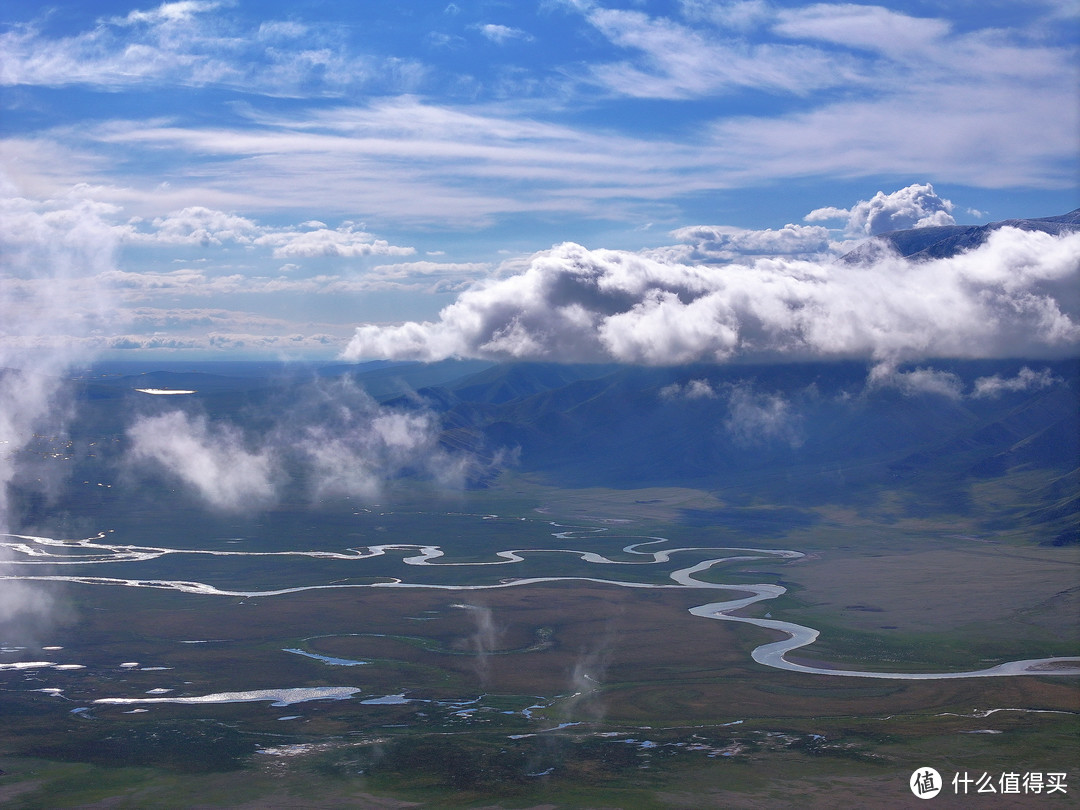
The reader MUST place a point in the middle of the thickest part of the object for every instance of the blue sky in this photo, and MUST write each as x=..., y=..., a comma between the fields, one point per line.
x=225, y=179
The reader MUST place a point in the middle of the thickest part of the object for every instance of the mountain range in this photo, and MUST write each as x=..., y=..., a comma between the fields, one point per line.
x=994, y=441
x=943, y=241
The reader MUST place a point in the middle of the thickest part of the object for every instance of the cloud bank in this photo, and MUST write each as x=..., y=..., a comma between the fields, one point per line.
x=1009, y=297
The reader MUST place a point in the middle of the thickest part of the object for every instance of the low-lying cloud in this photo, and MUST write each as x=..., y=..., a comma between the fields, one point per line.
x=1025, y=380
x=333, y=441
x=1008, y=297
x=44, y=249
x=212, y=459
x=348, y=444
x=755, y=417
x=917, y=381
x=928, y=380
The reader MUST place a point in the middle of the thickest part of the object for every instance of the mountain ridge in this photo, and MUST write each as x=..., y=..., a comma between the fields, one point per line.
x=945, y=241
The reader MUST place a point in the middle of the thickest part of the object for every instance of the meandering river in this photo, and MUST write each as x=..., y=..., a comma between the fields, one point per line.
x=33, y=551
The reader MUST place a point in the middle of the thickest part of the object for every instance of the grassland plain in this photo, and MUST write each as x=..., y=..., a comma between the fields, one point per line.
x=566, y=694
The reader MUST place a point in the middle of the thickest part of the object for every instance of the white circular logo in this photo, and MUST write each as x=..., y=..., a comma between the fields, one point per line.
x=925, y=783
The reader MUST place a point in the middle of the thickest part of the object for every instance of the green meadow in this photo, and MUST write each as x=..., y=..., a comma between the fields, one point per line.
x=570, y=693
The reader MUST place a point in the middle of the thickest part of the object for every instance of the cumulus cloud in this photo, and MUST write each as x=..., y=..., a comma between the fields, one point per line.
x=345, y=242
x=1009, y=296
x=928, y=380
x=707, y=243
x=1025, y=380
x=90, y=309
x=214, y=460
x=198, y=225
x=916, y=206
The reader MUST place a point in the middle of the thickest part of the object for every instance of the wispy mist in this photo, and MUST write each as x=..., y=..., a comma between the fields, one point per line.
x=484, y=640
x=754, y=417
x=349, y=444
x=212, y=459
x=44, y=247
x=333, y=439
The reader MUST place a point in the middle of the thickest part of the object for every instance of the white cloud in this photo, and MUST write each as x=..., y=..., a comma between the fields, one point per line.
x=67, y=298
x=212, y=459
x=827, y=213
x=908, y=97
x=425, y=268
x=343, y=242
x=918, y=381
x=1022, y=128
x=333, y=437
x=677, y=61
x=861, y=26
x=693, y=389
x=187, y=44
x=198, y=225
x=740, y=15
x=501, y=34
x=145, y=287
x=916, y=206
x=1009, y=296
x=46, y=249
x=756, y=418
x=1025, y=380
x=398, y=158
x=180, y=11
x=725, y=243
x=352, y=446
x=407, y=161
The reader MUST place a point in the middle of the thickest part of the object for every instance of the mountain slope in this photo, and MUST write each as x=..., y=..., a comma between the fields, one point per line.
x=948, y=240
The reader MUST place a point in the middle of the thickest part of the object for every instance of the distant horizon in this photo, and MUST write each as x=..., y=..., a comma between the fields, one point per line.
x=240, y=179
x=253, y=366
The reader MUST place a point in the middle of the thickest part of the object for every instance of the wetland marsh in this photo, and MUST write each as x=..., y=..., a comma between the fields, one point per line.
x=538, y=647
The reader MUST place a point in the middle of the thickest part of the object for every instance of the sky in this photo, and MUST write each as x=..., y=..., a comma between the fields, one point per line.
x=643, y=181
